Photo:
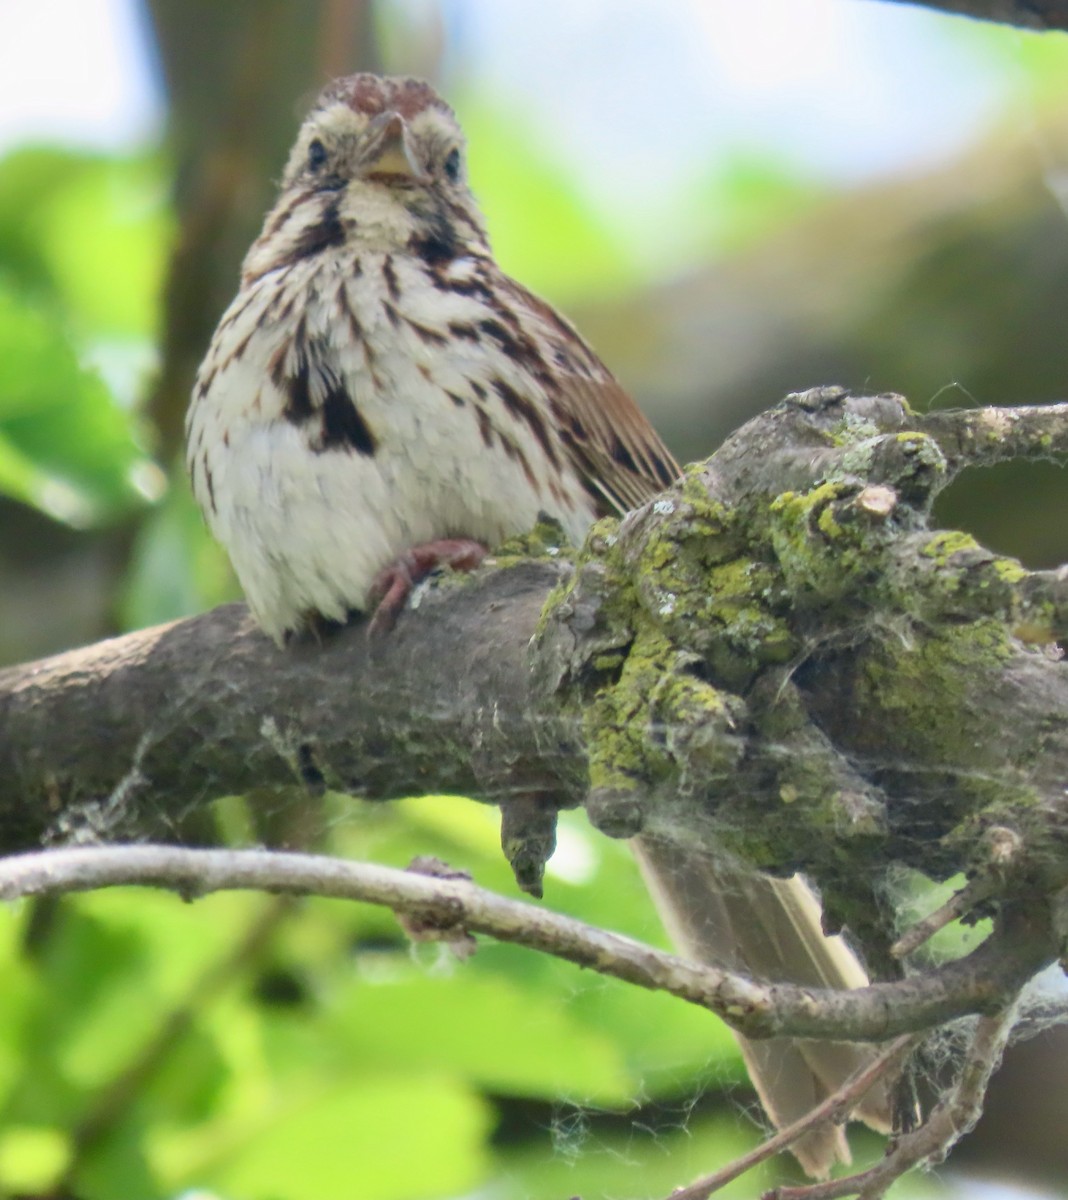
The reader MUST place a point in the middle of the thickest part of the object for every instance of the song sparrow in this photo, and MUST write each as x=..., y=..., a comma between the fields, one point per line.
x=381, y=398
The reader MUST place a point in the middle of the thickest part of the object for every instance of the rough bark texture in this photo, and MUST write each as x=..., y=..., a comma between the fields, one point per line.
x=131, y=734
x=777, y=659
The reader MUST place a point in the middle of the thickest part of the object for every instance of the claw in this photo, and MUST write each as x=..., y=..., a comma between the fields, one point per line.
x=393, y=584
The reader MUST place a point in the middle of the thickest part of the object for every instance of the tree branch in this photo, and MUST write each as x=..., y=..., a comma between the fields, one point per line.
x=982, y=980
x=778, y=660
x=953, y=1117
x=1025, y=14
x=133, y=734
x=781, y=623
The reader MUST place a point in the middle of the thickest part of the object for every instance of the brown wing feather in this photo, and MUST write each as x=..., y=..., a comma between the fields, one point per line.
x=606, y=435
x=618, y=452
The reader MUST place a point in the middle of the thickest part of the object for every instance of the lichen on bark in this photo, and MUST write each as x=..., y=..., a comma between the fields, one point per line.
x=781, y=659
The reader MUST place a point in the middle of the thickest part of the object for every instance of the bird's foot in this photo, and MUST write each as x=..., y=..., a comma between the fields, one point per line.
x=393, y=584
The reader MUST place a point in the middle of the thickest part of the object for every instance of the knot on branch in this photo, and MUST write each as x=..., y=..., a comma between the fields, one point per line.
x=779, y=656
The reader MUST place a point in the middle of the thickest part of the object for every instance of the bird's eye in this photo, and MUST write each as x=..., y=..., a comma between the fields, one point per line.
x=316, y=154
x=452, y=164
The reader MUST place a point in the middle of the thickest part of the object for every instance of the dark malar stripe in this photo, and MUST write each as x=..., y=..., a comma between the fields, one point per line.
x=327, y=232
x=435, y=248
x=389, y=275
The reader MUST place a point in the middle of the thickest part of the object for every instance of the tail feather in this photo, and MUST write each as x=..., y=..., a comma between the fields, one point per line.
x=769, y=929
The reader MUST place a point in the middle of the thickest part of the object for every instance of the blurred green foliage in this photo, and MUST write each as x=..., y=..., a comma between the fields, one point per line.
x=155, y=1050
x=543, y=230
x=255, y=1047
x=81, y=252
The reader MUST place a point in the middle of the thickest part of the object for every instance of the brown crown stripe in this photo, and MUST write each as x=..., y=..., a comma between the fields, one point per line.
x=373, y=95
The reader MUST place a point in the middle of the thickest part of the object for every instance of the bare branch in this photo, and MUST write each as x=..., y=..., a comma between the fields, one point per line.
x=949, y=1121
x=132, y=735
x=1025, y=14
x=834, y=1109
x=879, y=1011
x=983, y=437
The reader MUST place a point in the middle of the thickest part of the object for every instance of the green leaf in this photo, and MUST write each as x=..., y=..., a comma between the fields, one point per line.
x=482, y=1027
x=378, y=1138
x=90, y=232
x=32, y=1157
x=66, y=447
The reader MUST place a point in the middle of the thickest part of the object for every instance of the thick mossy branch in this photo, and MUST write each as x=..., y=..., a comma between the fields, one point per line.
x=777, y=659
x=780, y=659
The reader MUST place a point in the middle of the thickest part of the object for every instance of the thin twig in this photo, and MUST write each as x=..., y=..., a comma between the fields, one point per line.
x=999, y=967
x=960, y=903
x=834, y=1109
x=1001, y=847
x=949, y=1121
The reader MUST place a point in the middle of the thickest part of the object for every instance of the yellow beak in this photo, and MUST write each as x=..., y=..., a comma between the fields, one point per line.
x=390, y=154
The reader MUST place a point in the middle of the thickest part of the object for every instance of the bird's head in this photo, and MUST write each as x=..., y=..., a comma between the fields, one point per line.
x=379, y=163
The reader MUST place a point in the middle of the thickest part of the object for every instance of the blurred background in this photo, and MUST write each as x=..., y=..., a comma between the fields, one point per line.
x=733, y=201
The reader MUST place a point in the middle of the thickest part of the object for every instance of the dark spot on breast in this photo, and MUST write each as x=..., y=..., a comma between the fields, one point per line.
x=389, y=276
x=463, y=329
x=517, y=455
x=345, y=309
x=462, y=287
x=208, y=483
x=485, y=428
x=518, y=347
x=204, y=382
x=298, y=407
x=239, y=350
x=426, y=334
x=459, y=401
x=343, y=425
